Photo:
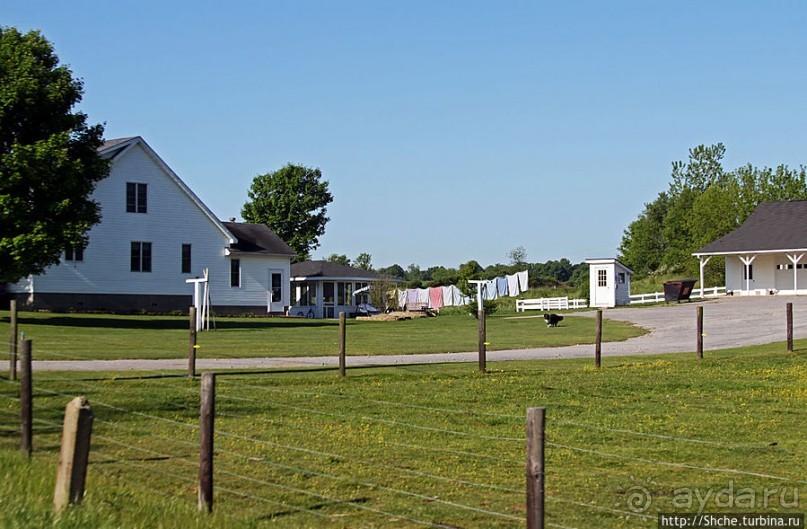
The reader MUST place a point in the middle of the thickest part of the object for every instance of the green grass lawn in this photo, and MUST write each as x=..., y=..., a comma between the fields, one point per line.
x=420, y=445
x=57, y=336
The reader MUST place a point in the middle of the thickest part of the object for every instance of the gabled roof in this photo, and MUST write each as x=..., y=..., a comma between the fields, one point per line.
x=772, y=227
x=608, y=260
x=256, y=239
x=329, y=270
x=112, y=149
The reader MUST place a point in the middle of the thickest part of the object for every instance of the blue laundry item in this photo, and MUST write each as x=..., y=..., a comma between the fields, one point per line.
x=501, y=286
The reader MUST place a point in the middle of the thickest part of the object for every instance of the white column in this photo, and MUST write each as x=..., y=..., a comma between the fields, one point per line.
x=795, y=260
x=704, y=261
x=747, y=260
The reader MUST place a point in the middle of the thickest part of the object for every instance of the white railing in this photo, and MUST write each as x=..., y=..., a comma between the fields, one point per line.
x=563, y=303
x=655, y=297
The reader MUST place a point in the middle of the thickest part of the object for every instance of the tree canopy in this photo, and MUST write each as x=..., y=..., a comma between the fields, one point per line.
x=292, y=202
x=703, y=203
x=49, y=163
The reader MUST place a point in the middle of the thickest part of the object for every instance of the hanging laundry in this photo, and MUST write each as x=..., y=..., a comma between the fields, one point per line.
x=523, y=281
x=423, y=295
x=401, y=298
x=489, y=290
x=501, y=286
x=411, y=296
x=512, y=285
x=448, y=297
x=435, y=297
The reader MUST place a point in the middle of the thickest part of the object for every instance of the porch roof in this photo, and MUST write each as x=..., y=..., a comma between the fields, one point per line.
x=774, y=227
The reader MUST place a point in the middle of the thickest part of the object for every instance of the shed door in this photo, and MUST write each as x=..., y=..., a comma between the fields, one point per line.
x=602, y=287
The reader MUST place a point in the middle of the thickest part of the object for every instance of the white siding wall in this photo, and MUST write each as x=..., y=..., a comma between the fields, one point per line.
x=171, y=220
x=254, y=281
x=764, y=273
x=622, y=296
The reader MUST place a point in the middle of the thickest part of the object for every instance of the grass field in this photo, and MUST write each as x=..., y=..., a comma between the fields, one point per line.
x=437, y=445
x=64, y=336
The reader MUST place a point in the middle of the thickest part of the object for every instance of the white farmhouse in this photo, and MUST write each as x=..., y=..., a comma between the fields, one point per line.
x=609, y=283
x=155, y=234
x=766, y=254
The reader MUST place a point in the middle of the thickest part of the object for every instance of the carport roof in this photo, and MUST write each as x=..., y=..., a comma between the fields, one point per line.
x=772, y=227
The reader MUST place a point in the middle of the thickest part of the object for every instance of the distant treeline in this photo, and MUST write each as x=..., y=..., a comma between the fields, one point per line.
x=550, y=273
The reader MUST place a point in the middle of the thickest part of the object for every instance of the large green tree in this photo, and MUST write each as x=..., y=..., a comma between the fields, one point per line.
x=292, y=202
x=49, y=163
x=703, y=203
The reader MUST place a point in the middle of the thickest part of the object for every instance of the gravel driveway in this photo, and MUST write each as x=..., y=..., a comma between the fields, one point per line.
x=728, y=322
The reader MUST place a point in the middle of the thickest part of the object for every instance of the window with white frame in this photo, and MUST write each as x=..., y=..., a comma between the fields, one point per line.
x=141, y=256
x=602, y=278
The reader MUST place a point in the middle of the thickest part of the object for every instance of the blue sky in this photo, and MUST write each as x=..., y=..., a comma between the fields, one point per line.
x=448, y=130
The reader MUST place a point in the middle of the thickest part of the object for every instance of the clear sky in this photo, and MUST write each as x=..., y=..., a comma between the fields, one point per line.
x=448, y=130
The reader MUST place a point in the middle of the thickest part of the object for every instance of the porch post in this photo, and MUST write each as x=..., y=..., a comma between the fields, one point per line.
x=704, y=261
x=747, y=260
x=795, y=260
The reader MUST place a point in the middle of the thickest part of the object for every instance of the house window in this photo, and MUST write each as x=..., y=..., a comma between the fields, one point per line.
x=306, y=293
x=136, y=197
x=602, y=278
x=277, y=287
x=186, y=258
x=621, y=278
x=141, y=257
x=345, y=293
x=327, y=292
x=235, y=272
x=74, y=252
x=748, y=272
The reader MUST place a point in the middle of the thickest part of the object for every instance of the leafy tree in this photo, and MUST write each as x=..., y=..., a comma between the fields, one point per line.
x=292, y=202
x=395, y=271
x=703, y=203
x=643, y=244
x=517, y=256
x=364, y=261
x=49, y=163
x=338, y=259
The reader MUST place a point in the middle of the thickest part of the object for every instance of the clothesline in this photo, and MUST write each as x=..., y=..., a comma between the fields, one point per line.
x=451, y=296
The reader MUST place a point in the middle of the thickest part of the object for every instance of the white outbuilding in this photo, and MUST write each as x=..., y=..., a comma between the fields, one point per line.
x=609, y=282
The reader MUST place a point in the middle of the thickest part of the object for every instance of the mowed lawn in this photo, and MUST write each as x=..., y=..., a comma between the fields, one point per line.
x=79, y=336
x=429, y=445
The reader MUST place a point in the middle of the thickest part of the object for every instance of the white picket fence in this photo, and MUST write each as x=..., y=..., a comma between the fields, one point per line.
x=563, y=303
x=656, y=297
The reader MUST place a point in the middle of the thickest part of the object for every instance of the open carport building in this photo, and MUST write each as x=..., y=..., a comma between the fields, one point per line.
x=765, y=255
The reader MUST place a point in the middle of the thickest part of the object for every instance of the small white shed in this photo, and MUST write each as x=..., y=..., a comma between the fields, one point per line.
x=609, y=283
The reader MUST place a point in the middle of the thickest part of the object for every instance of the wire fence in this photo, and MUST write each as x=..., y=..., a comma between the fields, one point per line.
x=311, y=450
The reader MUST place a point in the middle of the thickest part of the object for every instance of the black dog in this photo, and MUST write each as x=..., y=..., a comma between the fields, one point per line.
x=552, y=320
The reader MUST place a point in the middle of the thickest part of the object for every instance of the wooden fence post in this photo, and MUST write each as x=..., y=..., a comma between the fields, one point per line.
x=13, y=337
x=192, y=343
x=700, y=332
x=598, y=342
x=342, y=336
x=536, y=418
x=26, y=399
x=483, y=347
x=789, y=327
x=206, y=419
x=75, y=454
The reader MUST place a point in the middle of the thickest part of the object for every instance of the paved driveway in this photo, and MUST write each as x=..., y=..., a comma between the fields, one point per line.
x=728, y=322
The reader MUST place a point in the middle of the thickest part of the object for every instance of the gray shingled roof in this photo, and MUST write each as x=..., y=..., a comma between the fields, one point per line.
x=257, y=239
x=328, y=269
x=773, y=226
